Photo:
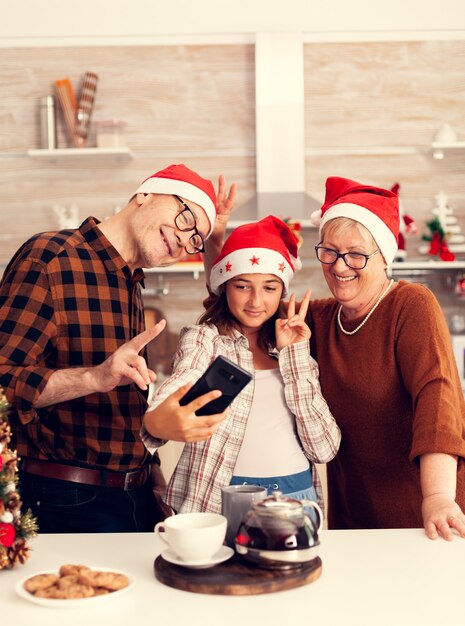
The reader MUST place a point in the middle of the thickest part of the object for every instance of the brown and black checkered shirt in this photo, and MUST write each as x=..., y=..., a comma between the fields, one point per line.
x=68, y=299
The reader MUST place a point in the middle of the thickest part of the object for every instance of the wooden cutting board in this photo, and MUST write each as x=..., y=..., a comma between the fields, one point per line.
x=235, y=577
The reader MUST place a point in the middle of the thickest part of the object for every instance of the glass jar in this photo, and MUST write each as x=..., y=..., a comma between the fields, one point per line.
x=110, y=133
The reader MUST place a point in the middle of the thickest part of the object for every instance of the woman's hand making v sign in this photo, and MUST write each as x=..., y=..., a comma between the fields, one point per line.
x=293, y=328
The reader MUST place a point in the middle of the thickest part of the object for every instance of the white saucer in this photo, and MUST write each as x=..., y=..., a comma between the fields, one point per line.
x=223, y=554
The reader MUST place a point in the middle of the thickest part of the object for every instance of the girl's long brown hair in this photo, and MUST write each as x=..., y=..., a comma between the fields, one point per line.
x=217, y=312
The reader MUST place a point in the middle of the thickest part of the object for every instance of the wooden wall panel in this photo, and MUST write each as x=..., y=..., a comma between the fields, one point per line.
x=189, y=104
x=390, y=95
x=382, y=94
x=195, y=104
x=179, y=98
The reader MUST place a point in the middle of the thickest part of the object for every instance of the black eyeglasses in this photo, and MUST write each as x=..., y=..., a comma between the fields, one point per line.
x=185, y=221
x=354, y=260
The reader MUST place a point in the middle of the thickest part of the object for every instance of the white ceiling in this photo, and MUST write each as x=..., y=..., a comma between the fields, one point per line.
x=52, y=19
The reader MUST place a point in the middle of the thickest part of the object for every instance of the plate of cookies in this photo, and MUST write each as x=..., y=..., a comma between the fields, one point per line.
x=74, y=585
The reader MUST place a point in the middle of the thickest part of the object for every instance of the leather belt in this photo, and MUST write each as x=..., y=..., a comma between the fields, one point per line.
x=86, y=476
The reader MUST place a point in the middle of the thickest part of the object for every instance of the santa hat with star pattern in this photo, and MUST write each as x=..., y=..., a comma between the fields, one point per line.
x=179, y=180
x=265, y=247
x=375, y=208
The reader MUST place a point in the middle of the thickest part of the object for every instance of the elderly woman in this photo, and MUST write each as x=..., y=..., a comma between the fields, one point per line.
x=388, y=374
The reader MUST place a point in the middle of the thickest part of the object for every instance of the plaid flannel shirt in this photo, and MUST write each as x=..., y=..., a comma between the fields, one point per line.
x=205, y=467
x=68, y=299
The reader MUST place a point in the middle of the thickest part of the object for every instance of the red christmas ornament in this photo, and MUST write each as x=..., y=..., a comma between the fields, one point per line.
x=439, y=248
x=446, y=254
x=7, y=535
x=460, y=286
x=435, y=246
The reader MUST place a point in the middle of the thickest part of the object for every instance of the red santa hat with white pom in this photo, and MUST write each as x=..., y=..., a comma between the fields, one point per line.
x=374, y=207
x=181, y=181
x=265, y=247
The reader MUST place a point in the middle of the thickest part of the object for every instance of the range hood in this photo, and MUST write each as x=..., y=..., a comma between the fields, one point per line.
x=280, y=132
x=296, y=205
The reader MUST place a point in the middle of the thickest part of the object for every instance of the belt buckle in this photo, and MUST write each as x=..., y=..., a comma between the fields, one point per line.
x=128, y=478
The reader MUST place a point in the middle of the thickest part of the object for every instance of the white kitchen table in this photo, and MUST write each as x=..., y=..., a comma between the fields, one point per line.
x=369, y=577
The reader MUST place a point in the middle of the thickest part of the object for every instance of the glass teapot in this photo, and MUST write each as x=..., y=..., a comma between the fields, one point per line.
x=280, y=532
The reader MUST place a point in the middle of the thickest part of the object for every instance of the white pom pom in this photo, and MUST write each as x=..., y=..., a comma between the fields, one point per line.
x=315, y=218
x=7, y=517
x=297, y=263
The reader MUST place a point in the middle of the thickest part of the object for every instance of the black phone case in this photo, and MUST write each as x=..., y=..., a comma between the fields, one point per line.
x=221, y=374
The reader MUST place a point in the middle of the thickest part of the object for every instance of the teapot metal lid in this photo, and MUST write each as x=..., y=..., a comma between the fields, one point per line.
x=278, y=505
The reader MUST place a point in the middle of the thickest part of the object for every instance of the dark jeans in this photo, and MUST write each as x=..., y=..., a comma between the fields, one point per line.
x=64, y=507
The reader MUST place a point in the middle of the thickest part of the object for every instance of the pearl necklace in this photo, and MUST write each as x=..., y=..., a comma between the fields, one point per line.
x=367, y=317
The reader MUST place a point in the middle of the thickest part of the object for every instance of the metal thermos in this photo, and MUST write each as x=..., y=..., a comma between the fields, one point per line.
x=48, y=127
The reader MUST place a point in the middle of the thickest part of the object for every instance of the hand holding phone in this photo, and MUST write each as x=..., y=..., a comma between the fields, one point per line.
x=221, y=374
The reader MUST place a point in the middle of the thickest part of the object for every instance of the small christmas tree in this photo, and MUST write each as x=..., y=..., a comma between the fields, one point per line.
x=445, y=234
x=15, y=528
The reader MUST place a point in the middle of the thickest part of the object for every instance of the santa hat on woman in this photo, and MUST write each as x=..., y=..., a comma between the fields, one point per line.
x=265, y=247
x=375, y=208
x=179, y=180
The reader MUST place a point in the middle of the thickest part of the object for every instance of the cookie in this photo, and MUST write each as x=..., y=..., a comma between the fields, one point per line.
x=68, y=592
x=65, y=581
x=119, y=581
x=40, y=581
x=108, y=580
x=67, y=570
x=50, y=592
x=100, y=591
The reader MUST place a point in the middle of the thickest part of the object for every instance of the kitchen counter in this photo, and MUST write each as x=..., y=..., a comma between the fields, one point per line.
x=369, y=577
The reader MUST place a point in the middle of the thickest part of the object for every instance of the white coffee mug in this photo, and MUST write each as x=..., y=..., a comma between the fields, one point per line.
x=193, y=536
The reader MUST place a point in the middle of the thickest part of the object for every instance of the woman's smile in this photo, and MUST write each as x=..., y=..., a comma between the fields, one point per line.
x=253, y=313
x=344, y=279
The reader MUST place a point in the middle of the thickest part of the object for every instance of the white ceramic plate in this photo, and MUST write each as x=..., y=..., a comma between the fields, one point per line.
x=223, y=554
x=73, y=602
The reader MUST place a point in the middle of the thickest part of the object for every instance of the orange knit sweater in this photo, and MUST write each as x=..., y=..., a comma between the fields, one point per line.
x=394, y=390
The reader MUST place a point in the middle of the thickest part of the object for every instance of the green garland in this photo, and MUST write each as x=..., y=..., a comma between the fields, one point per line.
x=435, y=227
x=16, y=528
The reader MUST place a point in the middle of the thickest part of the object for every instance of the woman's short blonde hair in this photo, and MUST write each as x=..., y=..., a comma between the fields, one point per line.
x=339, y=225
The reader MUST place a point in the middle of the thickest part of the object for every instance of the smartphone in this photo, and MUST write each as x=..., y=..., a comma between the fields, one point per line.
x=221, y=374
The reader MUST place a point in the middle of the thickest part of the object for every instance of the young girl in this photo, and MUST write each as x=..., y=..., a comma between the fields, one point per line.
x=280, y=424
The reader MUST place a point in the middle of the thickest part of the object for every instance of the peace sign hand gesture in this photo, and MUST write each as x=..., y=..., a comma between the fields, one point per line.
x=293, y=329
x=125, y=365
x=224, y=206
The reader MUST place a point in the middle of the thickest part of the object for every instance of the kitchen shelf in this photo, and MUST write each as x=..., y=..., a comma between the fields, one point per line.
x=195, y=268
x=440, y=149
x=72, y=153
x=304, y=224
x=428, y=265
x=408, y=265
x=364, y=151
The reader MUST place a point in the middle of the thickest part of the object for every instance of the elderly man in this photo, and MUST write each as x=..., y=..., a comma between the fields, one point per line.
x=72, y=348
